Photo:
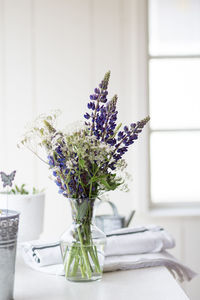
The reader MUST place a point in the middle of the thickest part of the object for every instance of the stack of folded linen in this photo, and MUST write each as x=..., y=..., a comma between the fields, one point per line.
x=127, y=248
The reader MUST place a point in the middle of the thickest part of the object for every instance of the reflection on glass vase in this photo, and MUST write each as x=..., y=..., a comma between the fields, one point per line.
x=82, y=245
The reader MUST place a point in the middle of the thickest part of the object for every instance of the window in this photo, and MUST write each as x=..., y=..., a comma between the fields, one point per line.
x=174, y=100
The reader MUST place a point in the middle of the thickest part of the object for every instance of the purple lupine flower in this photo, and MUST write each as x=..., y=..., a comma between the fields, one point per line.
x=100, y=97
x=87, y=116
x=133, y=125
x=58, y=182
x=120, y=135
x=103, y=99
x=111, y=116
x=112, y=166
x=105, y=93
x=128, y=136
x=111, y=142
x=117, y=156
x=59, y=151
x=94, y=97
x=97, y=91
x=105, y=120
x=51, y=161
x=89, y=105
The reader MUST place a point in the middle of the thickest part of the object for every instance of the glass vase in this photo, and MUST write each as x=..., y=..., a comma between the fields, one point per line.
x=82, y=245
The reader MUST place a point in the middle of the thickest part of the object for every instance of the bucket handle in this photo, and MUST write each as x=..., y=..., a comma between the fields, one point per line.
x=113, y=206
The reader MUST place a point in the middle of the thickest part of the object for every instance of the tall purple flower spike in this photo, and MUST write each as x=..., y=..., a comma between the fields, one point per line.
x=7, y=179
x=102, y=121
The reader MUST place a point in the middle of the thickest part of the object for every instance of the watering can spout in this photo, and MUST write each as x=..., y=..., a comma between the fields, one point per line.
x=129, y=218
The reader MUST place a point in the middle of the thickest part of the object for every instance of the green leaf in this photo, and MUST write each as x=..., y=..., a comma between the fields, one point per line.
x=81, y=163
x=17, y=189
x=93, y=179
x=54, y=156
x=42, y=131
x=105, y=183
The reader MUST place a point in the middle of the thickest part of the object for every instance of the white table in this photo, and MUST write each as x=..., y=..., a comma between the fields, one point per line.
x=142, y=284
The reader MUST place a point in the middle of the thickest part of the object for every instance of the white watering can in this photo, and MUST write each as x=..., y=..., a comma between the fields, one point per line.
x=114, y=221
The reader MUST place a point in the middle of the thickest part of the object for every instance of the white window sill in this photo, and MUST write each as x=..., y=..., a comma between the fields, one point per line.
x=182, y=210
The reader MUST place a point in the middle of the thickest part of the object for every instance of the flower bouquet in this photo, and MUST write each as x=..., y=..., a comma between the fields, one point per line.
x=85, y=162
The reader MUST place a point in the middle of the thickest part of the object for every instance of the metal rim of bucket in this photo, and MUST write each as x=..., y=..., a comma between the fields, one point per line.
x=9, y=214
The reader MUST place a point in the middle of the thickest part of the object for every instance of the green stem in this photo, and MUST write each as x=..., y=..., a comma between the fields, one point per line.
x=37, y=155
x=76, y=263
x=85, y=255
x=90, y=192
x=81, y=183
x=82, y=267
x=96, y=254
x=91, y=251
x=69, y=261
x=95, y=259
x=65, y=253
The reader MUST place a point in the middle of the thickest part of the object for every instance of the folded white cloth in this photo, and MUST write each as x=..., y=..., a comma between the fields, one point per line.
x=40, y=253
x=126, y=262
x=146, y=239
x=128, y=248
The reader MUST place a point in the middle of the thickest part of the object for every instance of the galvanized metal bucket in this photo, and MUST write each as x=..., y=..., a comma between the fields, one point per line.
x=108, y=223
x=9, y=221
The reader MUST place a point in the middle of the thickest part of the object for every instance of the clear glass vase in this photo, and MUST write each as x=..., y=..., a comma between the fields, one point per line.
x=82, y=245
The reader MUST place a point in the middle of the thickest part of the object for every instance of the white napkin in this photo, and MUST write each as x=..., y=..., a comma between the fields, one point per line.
x=146, y=239
x=41, y=253
x=128, y=248
x=127, y=262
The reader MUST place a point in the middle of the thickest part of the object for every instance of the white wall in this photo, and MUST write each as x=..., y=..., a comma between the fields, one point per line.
x=52, y=54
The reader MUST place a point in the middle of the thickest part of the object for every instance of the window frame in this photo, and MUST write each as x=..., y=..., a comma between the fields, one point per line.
x=173, y=208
